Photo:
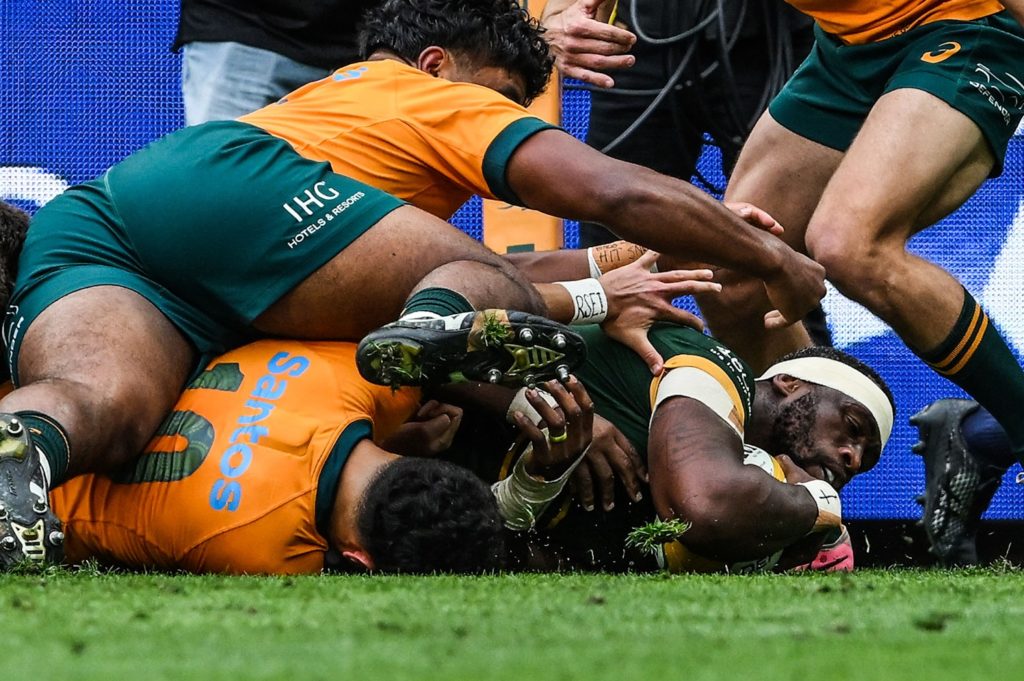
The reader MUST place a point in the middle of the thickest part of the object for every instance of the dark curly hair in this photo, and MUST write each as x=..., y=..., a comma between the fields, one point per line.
x=847, y=359
x=424, y=515
x=13, y=225
x=490, y=32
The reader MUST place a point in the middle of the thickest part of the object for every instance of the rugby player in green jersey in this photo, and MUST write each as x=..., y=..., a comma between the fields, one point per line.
x=750, y=464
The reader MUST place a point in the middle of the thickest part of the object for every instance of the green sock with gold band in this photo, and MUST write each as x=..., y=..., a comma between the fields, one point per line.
x=976, y=358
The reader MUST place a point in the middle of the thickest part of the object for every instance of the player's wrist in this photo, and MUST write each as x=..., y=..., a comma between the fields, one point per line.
x=589, y=300
x=774, y=259
x=522, y=498
x=830, y=507
x=604, y=258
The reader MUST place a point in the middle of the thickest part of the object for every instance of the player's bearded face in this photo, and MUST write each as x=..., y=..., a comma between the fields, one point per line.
x=792, y=430
x=816, y=435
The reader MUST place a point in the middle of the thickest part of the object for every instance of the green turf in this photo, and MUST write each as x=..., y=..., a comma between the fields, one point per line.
x=869, y=625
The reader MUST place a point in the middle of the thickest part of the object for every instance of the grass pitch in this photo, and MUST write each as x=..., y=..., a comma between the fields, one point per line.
x=869, y=625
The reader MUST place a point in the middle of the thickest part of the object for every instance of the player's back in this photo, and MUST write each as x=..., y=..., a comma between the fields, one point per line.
x=241, y=477
x=428, y=141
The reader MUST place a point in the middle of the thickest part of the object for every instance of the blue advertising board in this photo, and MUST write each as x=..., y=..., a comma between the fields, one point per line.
x=86, y=82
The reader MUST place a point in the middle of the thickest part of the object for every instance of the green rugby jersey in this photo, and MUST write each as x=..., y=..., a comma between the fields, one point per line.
x=623, y=388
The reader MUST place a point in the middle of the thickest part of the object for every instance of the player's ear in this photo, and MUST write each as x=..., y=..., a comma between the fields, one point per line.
x=785, y=385
x=431, y=60
x=360, y=557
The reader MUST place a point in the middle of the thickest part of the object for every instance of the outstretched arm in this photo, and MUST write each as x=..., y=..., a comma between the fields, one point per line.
x=633, y=299
x=549, y=266
x=556, y=174
x=736, y=512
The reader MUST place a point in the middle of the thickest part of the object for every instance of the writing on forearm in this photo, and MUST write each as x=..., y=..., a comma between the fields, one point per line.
x=615, y=255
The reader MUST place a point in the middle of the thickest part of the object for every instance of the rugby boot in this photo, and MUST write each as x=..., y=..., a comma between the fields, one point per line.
x=958, y=487
x=29, y=531
x=495, y=346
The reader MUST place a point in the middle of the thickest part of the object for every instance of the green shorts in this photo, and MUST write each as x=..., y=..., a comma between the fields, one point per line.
x=212, y=224
x=977, y=67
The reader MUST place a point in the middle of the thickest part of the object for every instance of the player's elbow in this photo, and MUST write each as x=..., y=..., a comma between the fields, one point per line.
x=717, y=511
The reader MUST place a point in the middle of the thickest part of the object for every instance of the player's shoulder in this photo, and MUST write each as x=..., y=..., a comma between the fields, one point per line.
x=291, y=357
x=672, y=341
x=702, y=368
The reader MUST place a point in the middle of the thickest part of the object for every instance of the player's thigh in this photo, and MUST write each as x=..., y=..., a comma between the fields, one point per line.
x=124, y=360
x=232, y=231
x=366, y=284
x=937, y=130
x=785, y=174
x=915, y=160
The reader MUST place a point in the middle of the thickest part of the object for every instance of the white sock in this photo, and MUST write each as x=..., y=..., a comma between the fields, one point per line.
x=419, y=315
x=44, y=465
x=449, y=322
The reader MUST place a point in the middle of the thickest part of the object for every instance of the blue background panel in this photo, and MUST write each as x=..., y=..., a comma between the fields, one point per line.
x=86, y=82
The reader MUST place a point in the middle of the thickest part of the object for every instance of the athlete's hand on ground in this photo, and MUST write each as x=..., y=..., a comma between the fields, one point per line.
x=570, y=428
x=796, y=289
x=583, y=45
x=755, y=216
x=638, y=297
x=610, y=456
x=800, y=552
x=428, y=433
x=835, y=555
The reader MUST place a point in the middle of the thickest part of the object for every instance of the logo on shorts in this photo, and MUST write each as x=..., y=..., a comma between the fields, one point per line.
x=315, y=196
x=318, y=220
x=1004, y=93
x=945, y=51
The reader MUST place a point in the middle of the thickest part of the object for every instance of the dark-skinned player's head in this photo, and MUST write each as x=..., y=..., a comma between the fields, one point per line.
x=13, y=225
x=424, y=515
x=829, y=404
x=489, y=33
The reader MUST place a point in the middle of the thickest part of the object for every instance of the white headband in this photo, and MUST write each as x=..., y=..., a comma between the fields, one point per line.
x=844, y=378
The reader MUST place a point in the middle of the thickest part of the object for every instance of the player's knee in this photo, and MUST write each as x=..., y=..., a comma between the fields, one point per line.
x=850, y=259
x=861, y=268
x=486, y=282
x=528, y=297
x=124, y=414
